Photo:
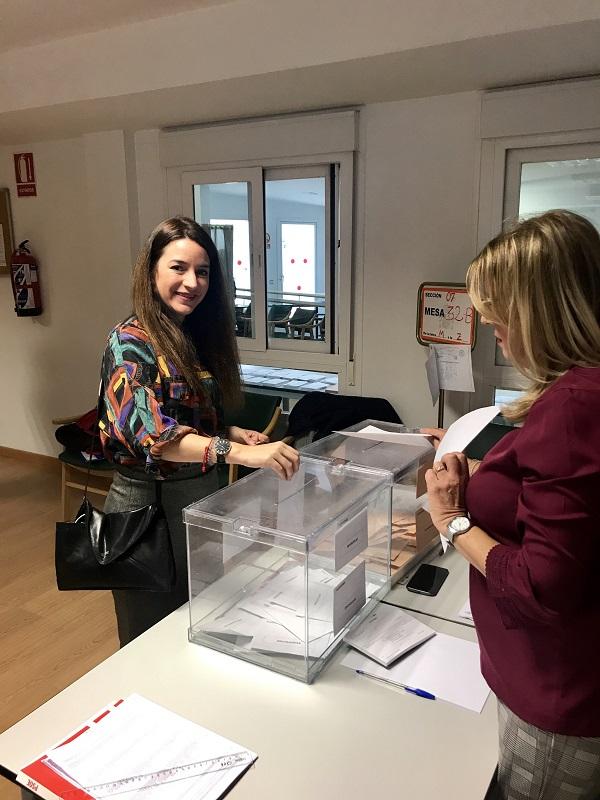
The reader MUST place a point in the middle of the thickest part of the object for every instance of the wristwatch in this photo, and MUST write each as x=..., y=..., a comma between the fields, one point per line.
x=457, y=526
x=222, y=448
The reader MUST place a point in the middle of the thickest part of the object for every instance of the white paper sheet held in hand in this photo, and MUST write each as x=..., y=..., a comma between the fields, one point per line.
x=446, y=666
x=459, y=435
x=140, y=737
x=465, y=429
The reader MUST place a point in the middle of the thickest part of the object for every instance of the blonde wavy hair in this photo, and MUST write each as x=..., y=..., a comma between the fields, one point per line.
x=541, y=279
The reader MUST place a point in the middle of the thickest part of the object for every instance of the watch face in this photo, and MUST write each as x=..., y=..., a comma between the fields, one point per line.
x=222, y=447
x=459, y=525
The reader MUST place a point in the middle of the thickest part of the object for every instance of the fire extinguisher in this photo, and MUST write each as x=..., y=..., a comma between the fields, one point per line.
x=25, y=282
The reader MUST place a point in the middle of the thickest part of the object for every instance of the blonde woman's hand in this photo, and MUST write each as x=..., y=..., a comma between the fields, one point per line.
x=278, y=456
x=446, y=486
x=246, y=436
x=436, y=435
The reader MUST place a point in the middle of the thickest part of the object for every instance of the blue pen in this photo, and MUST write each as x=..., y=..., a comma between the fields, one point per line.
x=411, y=689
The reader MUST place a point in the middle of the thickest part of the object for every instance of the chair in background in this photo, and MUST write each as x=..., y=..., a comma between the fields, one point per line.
x=260, y=412
x=278, y=317
x=302, y=322
x=76, y=440
x=243, y=321
x=320, y=327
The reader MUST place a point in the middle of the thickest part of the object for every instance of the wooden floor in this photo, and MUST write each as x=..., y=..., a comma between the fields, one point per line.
x=48, y=638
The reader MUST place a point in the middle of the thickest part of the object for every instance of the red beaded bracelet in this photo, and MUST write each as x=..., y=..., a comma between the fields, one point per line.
x=206, y=455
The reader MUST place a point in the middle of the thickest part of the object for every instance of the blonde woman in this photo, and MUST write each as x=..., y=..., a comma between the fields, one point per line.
x=528, y=520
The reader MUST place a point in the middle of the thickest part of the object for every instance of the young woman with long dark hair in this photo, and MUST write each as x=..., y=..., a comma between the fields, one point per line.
x=166, y=372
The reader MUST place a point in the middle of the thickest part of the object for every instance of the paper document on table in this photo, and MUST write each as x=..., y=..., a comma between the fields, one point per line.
x=388, y=633
x=446, y=666
x=140, y=738
x=465, y=429
x=377, y=435
x=282, y=641
x=454, y=369
x=465, y=612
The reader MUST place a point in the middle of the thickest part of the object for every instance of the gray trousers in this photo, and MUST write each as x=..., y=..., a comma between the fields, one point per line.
x=539, y=765
x=138, y=610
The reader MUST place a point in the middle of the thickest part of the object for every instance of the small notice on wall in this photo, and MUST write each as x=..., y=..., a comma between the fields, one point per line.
x=454, y=369
x=25, y=175
x=445, y=315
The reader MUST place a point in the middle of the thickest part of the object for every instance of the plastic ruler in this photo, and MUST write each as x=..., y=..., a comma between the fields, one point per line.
x=162, y=776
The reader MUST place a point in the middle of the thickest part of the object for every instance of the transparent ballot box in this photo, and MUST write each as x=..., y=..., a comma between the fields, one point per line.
x=413, y=533
x=277, y=569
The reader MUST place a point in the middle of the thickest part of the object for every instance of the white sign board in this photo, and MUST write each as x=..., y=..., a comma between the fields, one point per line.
x=445, y=315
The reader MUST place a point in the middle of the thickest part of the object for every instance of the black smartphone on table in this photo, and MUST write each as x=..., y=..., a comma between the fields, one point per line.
x=428, y=579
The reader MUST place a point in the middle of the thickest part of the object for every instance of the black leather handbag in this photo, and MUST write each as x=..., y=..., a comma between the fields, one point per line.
x=116, y=550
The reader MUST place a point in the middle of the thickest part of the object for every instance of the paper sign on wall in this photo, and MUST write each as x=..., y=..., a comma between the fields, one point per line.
x=25, y=175
x=445, y=314
x=454, y=368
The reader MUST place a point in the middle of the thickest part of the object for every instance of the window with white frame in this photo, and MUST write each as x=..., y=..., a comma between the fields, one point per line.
x=287, y=304
x=282, y=225
x=532, y=163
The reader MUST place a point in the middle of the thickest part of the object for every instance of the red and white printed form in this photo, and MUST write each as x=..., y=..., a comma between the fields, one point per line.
x=142, y=750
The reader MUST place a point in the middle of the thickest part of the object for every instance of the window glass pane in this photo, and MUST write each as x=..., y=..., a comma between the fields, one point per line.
x=223, y=208
x=504, y=396
x=573, y=184
x=297, y=261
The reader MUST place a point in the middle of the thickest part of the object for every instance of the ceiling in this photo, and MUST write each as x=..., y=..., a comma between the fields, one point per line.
x=30, y=22
x=487, y=62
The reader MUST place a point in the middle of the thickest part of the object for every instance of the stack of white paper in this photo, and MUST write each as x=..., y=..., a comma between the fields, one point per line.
x=388, y=633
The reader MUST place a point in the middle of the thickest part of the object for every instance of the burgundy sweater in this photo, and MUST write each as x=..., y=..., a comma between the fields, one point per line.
x=537, y=612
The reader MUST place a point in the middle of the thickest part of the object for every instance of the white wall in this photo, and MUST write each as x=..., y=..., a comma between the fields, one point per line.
x=418, y=169
x=416, y=218
x=78, y=227
x=419, y=209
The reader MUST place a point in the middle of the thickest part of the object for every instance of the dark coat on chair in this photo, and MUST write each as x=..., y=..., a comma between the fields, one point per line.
x=323, y=413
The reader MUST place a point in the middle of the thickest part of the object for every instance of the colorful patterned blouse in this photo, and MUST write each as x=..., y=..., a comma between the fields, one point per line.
x=147, y=404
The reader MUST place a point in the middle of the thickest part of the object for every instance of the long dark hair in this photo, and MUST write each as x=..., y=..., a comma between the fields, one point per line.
x=207, y=335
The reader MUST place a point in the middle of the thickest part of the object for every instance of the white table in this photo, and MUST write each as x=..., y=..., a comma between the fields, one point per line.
x=451, y=597
x=344, y=736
